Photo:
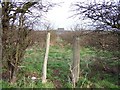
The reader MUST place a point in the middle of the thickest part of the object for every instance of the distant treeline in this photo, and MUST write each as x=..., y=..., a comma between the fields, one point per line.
x=106, y=40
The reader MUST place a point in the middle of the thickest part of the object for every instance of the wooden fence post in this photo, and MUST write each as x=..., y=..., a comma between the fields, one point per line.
x=76, y=60
x=44, y=72
x=1, y=31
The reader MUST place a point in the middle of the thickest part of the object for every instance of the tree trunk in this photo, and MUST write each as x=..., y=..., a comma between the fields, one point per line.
x=14, y=72
x=76, y=60
x=5, y=40
x=44, y=72
x=119, y=43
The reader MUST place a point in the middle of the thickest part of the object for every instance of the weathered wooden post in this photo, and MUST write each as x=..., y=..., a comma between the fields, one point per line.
x=76, y=60
x=0, y=39
x=44, y=72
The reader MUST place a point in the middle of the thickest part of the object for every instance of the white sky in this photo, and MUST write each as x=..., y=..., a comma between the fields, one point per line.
x=58, y=16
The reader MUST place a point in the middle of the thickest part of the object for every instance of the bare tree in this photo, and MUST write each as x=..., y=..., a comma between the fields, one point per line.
x=106, y=13
x=16, y=28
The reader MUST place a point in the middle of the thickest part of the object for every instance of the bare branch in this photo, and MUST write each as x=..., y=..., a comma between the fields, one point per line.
x=107, y=12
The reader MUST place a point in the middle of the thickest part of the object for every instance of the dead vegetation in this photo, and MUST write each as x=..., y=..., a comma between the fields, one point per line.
x=99, y=39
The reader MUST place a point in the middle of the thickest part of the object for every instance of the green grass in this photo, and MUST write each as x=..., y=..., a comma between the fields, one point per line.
x=92, y=64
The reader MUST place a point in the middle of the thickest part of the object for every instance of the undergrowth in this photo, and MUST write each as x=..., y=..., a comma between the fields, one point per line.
x=99, y=69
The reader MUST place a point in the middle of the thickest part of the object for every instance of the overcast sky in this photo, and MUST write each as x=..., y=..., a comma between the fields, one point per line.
x=59, y=15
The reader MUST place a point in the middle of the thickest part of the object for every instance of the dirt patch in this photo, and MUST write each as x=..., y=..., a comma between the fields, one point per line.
x=5, y=75
x=56, y=72
x=57, y=83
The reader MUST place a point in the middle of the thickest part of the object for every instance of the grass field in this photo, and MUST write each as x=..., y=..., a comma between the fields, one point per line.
x=99, y=69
